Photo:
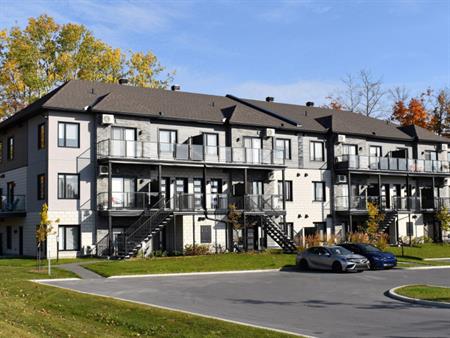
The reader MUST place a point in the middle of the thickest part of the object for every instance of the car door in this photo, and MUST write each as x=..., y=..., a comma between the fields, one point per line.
x=324, y=258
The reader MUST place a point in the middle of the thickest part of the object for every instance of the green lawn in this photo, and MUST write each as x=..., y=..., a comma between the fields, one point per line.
x=221, y=262
x=427, y=250
x=425, y=292
x=28, y=309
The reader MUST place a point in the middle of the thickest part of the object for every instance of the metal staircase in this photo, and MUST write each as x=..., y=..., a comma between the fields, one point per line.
x=274, y=231
x=389, y=219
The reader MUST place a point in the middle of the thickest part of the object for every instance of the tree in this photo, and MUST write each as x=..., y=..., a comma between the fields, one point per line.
x=44, y=229
x=438, y=106
x=443, y=217
x=361, y=94
x=374, y=219
x=234, y=218
x=45, y=54
x=414, y=114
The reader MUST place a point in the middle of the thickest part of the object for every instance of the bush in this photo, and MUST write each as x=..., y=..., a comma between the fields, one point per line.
x=358, y=237
x=158, y=253
x=197, y=250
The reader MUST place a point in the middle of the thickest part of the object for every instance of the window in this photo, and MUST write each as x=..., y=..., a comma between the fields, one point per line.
x=69, y=238
x=123, y=192
x=216, y=189
x=123, y=142
x=448, y=155
x=1, y=151
x=316, y=151
x=319, y=191
x=211, y=143
x=68, y=135
x=41, y=136
x=167, y=140
x=375, y=151
x=8, y=238
x=205, y=234
x=68, y=186
x=349, y=149
x=284, y=146
x=431, y=155
x=41, y=187
x=288, y=189
x=10, y=154
x=409, y=229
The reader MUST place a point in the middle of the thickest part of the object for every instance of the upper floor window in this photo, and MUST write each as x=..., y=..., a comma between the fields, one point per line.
x=375, y=151
x=284, y=146
x=68, y=135
x=211, y=143
x=316, y=151
x=319, y=191
x=431, y=155
x=349, y=149
x=68, y=186
x=10, y=153
x=287, y=189
x=41, y=136
x=167, y=140
x=41, y=187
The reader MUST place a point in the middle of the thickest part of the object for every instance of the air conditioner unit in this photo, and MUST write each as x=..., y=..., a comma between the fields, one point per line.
x=341, y=179
x=444, y=147
x=269, y=132
x=107, y=119
x=103, y=170
x=341, y=138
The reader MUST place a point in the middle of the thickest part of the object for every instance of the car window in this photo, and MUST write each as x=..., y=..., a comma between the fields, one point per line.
x=370, y=248
x=339, y=250
x=322, y=251
x=312, y=251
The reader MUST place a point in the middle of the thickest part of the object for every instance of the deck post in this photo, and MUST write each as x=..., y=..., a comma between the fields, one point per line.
x=110, y=238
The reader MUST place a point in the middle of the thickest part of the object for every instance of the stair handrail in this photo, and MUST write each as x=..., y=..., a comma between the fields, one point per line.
x=96, y=245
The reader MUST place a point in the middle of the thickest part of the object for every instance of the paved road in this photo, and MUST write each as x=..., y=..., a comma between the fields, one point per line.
x=312, y=303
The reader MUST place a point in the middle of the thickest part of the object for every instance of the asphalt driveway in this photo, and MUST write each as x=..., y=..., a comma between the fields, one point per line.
x=311, y=303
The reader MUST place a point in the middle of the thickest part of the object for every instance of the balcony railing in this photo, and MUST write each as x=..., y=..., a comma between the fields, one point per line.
x=188, y=152
x=357, y=202
x=359, y=162
x=12, y=204
x=189, y=202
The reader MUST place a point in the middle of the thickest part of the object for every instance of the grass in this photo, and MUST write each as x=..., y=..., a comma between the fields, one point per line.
x=426, y=250
x=222, y=262
x=28, y=309
x=426, y=292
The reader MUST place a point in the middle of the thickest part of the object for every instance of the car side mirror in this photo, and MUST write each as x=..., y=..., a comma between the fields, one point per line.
x=327, y=254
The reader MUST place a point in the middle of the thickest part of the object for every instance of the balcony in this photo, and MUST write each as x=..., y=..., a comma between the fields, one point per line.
x=132, y=150
x=367, y=163
x=12, y=205
x=139, y=201
x=414, y=204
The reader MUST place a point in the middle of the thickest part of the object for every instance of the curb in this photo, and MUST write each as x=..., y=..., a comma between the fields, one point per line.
x=181, y=274
x=437, y=259
x=426, y=267
x=394, y=295
x=54, y=280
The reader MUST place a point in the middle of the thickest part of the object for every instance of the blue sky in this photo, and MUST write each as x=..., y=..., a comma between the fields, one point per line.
x=292, y=50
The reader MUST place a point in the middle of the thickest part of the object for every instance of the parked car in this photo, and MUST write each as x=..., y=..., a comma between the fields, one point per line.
x=377, y=258
x=335, y=258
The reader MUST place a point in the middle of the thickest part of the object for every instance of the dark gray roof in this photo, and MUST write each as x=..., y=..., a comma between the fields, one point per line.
x=78, y=95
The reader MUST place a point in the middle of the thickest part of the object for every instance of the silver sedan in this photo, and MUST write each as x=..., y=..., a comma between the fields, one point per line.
x=335, y=258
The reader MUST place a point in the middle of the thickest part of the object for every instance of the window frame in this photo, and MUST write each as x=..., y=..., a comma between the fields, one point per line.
x=324, y=198
x=312, y=151
x=65, y=182
x=64, y=247
x=209, y=227
x=349, y=145
x=375, y=147
x=427, y=153
x=288, y=141
x=41, y=135
x=288, y=189
x=41, y=190
x=65, y=134
x=10, y=151
x=211, y=150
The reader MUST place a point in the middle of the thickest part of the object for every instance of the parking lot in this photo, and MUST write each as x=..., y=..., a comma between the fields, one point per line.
x=318, y=304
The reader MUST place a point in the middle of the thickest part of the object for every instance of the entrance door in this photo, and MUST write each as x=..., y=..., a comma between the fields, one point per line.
x=386, y=202
x=256, y=194
x=165, y=188
x=253, y=146
x=123, y=192
x=20, y=241
x=216, y=189
x=198, y=193
x=427, y=198
x=181, y=189
x=10, y=195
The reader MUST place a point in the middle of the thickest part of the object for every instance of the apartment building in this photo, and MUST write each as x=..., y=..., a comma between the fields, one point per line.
x=128, y=169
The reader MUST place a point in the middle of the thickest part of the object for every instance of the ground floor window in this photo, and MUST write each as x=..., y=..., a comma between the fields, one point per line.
x=205, y=234
x=69, y=237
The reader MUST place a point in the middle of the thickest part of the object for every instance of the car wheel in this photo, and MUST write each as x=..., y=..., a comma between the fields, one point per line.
x=303, y=265
x=372, y=265
x=336, y=267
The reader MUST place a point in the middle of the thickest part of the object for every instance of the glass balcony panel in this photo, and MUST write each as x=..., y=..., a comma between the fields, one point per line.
x=182, y=152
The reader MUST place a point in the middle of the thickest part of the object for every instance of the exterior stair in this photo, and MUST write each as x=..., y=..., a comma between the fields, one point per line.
x=274, y=231
x=389, y=219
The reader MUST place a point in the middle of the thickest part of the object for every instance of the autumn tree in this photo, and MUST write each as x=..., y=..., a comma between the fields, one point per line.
x=45, y=54
x=43, y=230
x=413, y=114
x=438, y=107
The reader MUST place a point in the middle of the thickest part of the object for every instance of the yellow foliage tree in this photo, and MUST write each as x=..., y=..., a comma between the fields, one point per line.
x=44, y=229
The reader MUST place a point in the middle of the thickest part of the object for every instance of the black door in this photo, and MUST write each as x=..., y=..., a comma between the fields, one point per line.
x=387, y=196
x=1, y=244
x=10, y=195
x=20, y=241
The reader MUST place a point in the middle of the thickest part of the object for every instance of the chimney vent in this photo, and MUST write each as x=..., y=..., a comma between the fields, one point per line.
x=123, y=81
x=269, y=99
x=175, y=87
x=310, y=104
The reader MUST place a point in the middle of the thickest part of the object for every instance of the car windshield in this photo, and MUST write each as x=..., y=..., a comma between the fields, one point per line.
x=369, y=248
x=338, y=250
